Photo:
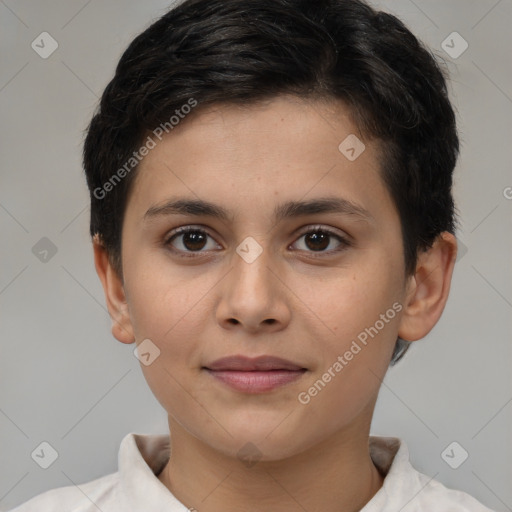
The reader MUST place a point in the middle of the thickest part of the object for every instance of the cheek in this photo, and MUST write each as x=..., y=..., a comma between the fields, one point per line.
x=169, y=311
x=355, y=356
x=164, y=298
x=357, y=311
x=348, y=300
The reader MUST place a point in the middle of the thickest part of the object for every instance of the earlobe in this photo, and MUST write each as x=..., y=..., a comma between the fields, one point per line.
x=114, y=294
x=429, y=288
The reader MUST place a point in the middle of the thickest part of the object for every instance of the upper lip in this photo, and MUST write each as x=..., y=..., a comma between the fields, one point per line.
x=248, y=364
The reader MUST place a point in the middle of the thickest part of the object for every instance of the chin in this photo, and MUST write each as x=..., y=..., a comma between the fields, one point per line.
x=266, y=443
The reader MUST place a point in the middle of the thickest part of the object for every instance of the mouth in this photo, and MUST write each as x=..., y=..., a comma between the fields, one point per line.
x=254, y=375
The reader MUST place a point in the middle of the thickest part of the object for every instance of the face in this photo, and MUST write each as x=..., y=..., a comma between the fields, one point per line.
x=305, y=264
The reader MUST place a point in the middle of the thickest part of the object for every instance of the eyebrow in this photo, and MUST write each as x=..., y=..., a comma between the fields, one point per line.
x=290, y=209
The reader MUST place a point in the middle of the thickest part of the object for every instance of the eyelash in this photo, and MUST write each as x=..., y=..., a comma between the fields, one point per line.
x=344, y=243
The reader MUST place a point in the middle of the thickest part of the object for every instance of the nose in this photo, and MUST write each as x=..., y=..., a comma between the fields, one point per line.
x=253, y=297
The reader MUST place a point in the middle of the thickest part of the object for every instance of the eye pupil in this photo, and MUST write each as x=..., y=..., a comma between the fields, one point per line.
x=194, y=240
x=319, y=240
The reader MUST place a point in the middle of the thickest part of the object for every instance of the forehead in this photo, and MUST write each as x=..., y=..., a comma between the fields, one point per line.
x=281, y=150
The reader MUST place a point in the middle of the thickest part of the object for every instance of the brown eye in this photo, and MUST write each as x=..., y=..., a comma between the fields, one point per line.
x=318, y=240
x=190, y=240
x=194, y=240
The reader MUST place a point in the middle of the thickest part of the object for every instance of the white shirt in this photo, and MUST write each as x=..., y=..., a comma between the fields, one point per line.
x=136, y=488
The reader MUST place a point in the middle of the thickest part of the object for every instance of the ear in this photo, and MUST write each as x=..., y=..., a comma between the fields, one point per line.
x=428, y=288
x=115, y=297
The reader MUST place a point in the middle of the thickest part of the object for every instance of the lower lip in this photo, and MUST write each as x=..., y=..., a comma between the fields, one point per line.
x=254, y=381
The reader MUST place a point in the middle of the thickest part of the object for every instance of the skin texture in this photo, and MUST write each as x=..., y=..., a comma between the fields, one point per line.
x=286, y=303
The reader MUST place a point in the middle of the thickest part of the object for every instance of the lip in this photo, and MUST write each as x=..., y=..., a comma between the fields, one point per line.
x=252, y=364
x=254, y=375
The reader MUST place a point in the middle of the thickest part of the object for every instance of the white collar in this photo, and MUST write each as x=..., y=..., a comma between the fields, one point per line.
x=143, y=456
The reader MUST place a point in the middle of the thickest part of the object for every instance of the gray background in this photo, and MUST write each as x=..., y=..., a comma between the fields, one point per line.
x=67, y=381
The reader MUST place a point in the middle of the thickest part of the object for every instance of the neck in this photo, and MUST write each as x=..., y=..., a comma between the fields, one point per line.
x=336, y=475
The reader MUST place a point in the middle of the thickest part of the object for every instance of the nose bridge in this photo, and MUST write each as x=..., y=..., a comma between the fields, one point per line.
x=251, y=295
x=251, y=275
